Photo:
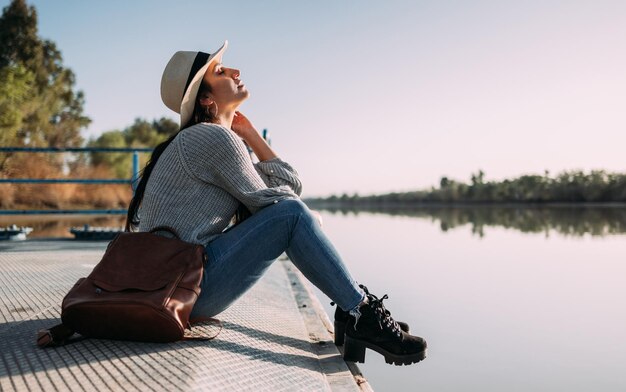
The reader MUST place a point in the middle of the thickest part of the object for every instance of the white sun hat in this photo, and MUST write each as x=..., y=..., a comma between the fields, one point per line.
x=182, y=78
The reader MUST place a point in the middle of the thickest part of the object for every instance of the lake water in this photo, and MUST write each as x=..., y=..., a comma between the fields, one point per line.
x=59, y=225
x=508, y=299
x=535, y=306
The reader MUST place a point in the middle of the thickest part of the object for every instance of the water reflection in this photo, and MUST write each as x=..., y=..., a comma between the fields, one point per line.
x=566, y=221
x=507, y=312
x=46, y=226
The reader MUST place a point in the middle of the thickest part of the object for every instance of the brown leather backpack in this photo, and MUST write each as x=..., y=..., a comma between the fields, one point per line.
x=143, y=289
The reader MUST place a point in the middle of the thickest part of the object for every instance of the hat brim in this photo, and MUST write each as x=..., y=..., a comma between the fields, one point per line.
x=188, y=103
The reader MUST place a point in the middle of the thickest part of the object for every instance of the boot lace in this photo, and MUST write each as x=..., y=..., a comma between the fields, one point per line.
x=385, y=321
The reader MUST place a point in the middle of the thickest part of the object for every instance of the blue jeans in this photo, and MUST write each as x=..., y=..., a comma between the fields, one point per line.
x=240, y=256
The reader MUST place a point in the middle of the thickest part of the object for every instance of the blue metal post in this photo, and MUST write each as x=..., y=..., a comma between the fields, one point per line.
x=266, y=136
x=135, y=170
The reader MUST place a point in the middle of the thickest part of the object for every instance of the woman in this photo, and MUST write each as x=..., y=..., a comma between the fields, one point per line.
x=203, y=176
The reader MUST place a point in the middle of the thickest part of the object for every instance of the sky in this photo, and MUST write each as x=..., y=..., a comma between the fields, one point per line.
x=372, y=97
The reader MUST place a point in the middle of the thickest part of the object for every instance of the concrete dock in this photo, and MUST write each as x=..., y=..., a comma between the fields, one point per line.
x=277, y=337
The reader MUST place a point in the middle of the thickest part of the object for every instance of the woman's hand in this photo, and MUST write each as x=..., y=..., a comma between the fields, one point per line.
x=245, y=130
x=242, y=126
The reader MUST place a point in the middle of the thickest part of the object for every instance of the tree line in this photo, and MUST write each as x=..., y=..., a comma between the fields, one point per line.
x=576, y=186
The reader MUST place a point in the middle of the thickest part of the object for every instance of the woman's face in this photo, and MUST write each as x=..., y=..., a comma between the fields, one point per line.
x=227, y=90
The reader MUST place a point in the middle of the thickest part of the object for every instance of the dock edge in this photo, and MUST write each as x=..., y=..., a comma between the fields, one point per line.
x=321, y=334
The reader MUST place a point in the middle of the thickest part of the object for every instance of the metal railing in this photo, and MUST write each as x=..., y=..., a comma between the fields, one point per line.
x=132, y=181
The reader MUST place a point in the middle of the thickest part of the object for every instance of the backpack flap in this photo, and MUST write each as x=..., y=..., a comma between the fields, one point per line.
x=143, y=289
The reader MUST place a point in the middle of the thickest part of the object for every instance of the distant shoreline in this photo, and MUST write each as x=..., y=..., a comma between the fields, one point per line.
x=468, y=204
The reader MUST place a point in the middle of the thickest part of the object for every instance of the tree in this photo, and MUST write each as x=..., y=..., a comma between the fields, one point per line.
x=478, y=178
x=140, y=134
x=145, y=134
x=165, y=126
x=53, y=115
x=119, y=163
x=16, y=87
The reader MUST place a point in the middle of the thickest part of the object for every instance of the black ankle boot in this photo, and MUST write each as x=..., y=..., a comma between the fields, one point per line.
x=377, y=330
x=341, y=320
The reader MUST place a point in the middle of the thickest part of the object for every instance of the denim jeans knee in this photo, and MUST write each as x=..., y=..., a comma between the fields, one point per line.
x=242, y=255
x=295, y=206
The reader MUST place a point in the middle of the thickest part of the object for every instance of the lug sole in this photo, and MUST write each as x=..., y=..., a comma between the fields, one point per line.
x=354, y=351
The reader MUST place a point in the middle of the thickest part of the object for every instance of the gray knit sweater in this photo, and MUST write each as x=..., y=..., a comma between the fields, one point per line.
x=202, y=177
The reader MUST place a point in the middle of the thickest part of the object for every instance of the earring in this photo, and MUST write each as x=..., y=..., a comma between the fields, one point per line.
x=206, y=113
x=212, y=109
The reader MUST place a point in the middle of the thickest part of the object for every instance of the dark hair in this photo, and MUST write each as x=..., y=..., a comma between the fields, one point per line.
x=200, y=114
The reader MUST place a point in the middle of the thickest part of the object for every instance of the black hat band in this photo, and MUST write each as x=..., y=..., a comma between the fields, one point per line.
x=200, y=60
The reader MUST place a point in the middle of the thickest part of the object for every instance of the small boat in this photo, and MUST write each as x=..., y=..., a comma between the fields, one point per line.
x=95, y=233
x=14, y=233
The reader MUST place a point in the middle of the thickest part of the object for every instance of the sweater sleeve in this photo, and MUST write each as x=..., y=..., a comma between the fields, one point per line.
x=216, y=155
x=276, y=172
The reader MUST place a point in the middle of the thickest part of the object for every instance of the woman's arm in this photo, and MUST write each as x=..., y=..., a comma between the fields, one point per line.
x=260, y=147
x=273, y=170
x=277, y=172
x=244, y=128
x=216, y=155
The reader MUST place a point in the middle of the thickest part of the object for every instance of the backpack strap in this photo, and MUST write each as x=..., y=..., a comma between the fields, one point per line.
x=53, y=337
x=60, y=334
